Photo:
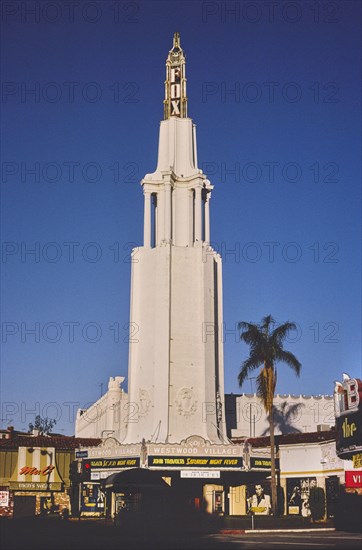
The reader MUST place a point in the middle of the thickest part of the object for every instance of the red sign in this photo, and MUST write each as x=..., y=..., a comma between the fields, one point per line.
x=28, y=470
x=353, y=478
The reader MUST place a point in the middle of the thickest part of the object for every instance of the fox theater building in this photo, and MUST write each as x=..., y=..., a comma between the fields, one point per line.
x=167, y=437
x=170, y=429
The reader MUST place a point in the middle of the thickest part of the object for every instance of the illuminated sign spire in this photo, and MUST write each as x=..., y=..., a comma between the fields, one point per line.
x=175, y=102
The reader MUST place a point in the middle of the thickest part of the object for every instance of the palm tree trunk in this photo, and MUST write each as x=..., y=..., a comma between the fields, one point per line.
x=273, y=484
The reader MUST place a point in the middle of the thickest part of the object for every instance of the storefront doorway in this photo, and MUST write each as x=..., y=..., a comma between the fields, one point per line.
x=24, y=506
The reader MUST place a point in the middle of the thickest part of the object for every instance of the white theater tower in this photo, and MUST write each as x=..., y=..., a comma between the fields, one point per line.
x=175, y=372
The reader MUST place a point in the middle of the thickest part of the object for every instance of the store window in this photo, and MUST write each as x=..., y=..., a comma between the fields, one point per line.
x=92, y=499
x=218, y=502
x=298, y=490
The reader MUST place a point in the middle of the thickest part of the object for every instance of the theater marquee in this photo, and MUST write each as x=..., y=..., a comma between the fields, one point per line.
x=193, y=453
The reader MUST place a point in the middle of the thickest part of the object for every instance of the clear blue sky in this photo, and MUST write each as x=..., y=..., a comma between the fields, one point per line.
x=290, y=131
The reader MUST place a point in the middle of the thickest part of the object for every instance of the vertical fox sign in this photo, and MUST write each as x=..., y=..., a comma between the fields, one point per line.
x=175, y=102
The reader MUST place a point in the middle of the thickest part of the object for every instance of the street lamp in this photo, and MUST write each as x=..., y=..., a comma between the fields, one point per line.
x=50, y=455
x=246, y=453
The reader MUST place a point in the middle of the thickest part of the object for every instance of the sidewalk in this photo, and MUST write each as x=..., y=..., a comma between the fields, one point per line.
x=282, y=524
x=252, y=531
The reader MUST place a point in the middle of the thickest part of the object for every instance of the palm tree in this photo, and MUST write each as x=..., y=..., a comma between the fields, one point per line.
x=266, y=350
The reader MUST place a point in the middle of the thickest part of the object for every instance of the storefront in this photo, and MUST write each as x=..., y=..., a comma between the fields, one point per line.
x=201, y=475
x=307, y=468
x=34, y=473
x=348, y=414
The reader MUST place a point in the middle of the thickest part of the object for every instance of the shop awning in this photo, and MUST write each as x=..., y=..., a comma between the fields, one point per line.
x=135, y=478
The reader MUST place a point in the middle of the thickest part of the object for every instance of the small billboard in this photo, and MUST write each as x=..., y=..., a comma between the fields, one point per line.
x=348, y=413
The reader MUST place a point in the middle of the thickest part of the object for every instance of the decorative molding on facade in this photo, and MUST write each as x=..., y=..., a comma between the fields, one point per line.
x=145, y=402
x=110, y=443
x=186, y=402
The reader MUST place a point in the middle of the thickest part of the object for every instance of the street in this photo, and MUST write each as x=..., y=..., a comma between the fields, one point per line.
x=35, y=534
